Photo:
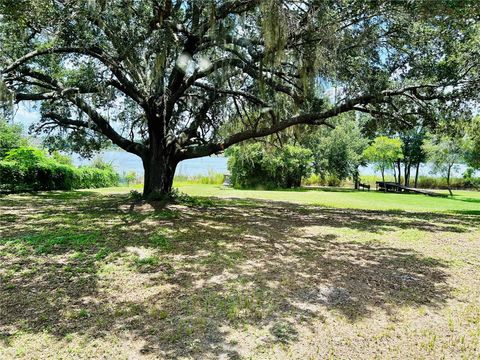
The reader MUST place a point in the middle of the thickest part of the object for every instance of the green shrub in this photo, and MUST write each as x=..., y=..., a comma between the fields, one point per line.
x=317, y=180
x=62, y=159
x=99, y=163
x=470, y=179
x=27, y=156
x=10, y=137
x=255, y=165
x=88, y=177
x=30, y=169
x=135, y=195
x=10, y=175
x=130, y=178
x=313, y=180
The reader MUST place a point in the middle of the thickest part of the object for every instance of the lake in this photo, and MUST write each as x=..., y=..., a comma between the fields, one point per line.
x=124, y=162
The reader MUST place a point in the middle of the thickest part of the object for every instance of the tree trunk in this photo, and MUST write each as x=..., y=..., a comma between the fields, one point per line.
x=407, y=166
x=159, y=169
x=416, y=174
x=448, y=180
x=383, y=179
x=356, y=179
x=395, y=173
x=399, y=172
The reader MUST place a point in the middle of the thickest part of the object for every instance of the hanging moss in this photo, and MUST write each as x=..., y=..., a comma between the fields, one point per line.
x=274, y=29
x=6, y=96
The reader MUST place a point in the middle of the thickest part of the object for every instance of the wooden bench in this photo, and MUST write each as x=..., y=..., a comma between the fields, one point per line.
x=391, y=186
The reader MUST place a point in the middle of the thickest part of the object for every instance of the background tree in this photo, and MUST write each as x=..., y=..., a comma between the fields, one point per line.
x=412, y=151
x=173, y=80
x=255, y=165
x=10, y=137
x=383, y=152
x=472, y=151
x=444, y=153
x=337, y=152
x=130, y=177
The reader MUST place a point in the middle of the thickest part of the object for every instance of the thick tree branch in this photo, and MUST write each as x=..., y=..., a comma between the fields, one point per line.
x=126, y=85
x=316, y=118
x=64, y=121
x=254, y=99
x=106, y=129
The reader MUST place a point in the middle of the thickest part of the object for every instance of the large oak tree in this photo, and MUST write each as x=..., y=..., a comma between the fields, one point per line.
x=173, y=80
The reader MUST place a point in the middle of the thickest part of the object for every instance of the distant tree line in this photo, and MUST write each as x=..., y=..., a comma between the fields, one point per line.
x=335, y=154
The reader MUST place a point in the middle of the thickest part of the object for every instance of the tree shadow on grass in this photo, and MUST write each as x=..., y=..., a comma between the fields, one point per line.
x=465, y=199
x=211, y=271
x=374, y=221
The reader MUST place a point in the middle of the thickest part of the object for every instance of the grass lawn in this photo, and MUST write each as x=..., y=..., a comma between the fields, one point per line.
x=239, y=274
x=461, y=202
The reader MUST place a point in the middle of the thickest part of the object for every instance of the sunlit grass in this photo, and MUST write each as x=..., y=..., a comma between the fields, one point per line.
x=462, y=201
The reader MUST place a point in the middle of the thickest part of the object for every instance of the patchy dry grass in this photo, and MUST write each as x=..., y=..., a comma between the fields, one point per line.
x=95, y=275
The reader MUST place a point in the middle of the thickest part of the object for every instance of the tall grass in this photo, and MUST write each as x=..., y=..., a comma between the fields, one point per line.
x=213, y=178
x=316, y=180
x=427, y=182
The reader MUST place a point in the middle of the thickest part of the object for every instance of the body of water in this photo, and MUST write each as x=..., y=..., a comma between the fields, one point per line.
x=125, y=162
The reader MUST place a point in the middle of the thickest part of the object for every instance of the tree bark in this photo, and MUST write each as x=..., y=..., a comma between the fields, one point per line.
x=399, y=172
x=407, y=165
x=159, y=169
x=416, y=174
x=448, y=180
x=383, y=179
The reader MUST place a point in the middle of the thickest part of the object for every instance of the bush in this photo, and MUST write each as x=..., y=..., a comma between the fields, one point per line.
x=254, y=166
x=313, y=180
x=62, y=159
x=27, y=156
x=130, y=177
x=30, y=169
x=10, y=175
x=87, y=177
x=470, y=179
x=317, y=180
x=10, y=137
x=99, y=163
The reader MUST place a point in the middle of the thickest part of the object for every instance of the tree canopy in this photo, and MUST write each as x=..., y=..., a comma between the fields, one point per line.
x=172, y=80
x=10, y=137
x=472, y=153
x=444, y=152
x=383, y=152
x=337, y=152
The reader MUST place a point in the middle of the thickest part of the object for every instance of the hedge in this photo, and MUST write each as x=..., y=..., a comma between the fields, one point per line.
x=28, y=169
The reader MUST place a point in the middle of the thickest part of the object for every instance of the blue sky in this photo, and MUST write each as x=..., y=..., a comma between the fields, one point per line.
x=25, y=114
